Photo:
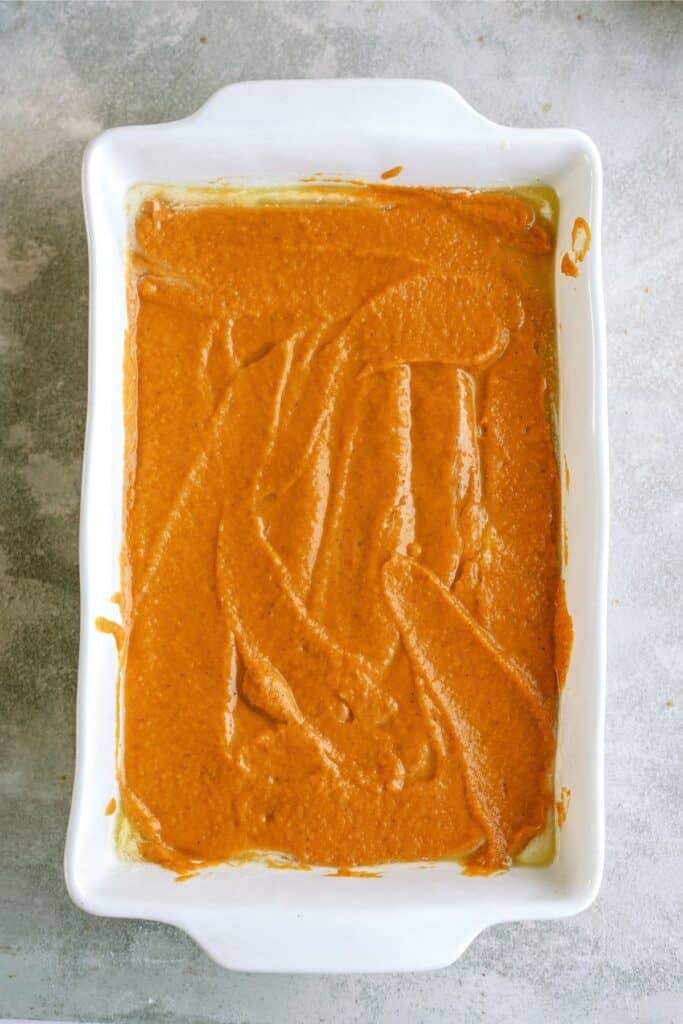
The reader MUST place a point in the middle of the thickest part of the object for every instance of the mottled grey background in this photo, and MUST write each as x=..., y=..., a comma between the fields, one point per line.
x=66, y=72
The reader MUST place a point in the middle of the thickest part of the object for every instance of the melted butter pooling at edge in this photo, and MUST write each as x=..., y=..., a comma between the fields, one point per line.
x=290, y=448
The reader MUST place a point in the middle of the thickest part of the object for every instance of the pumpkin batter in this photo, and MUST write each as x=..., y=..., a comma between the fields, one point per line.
x=341, y=568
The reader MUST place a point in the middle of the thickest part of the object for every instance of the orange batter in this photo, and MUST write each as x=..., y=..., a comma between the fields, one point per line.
x=341, y=567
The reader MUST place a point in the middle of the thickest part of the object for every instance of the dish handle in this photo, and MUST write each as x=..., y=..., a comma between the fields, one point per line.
x=414, y=107
x=335, y=941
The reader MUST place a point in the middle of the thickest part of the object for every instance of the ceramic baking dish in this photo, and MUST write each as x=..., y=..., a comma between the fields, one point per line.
x=251, y=917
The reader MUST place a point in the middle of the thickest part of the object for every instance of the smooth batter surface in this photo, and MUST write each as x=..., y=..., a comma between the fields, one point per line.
x=341, y=567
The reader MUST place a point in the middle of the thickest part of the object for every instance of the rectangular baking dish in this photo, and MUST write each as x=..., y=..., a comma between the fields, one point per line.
x=251, y=917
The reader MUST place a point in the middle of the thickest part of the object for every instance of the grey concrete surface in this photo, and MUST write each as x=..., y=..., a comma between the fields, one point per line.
x=66, y=72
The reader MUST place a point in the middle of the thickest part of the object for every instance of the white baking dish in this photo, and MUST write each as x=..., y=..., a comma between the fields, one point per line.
x=251, y=917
